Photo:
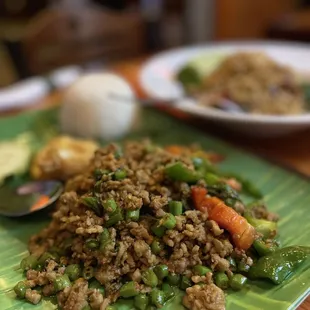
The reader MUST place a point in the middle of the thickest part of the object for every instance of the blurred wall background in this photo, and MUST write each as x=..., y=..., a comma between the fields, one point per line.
x=165, y=23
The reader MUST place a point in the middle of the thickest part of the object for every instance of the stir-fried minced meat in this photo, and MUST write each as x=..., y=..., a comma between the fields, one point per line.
x=103, y=229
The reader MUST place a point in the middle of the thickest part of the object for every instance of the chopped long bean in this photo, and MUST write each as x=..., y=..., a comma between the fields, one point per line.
x=130, y=289
x=149, y=278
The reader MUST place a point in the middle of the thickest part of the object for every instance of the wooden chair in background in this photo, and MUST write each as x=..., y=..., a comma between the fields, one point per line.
x=58, y=38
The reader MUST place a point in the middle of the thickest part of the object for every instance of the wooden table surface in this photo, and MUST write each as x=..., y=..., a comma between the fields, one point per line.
x=291, y=151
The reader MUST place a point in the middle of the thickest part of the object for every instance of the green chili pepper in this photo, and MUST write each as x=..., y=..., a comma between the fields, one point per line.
x=20, y=289
x=221, y=280
x=263, y=248
x=129, y=289
x=201, y=270
x=237, y=282
x=158, y=230
x=279, y=265
x=174, y=279
x=93, y=204
x=141, y=301
x=266, y=228
x=157, y=298
x=185, y=282
x=61, y=282
x=168, y=221
x=114, y=218
x=175, y=207
x=161, y=271
x=132, y=215
x=29, y=262
x=149, y=278
x=73, y=271
x=120, y=174
x=178, y=172
x=88, y=272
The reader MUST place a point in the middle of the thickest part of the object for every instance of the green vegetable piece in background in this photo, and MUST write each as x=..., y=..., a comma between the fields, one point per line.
x=132, y=215
x=279, y=265
x=20, y=289
x=178, y=172
x=93, y=204
x=92, y=244
x=161, y=271
x=237, y=282
x=174, y=279
x=45, y=257
x=175, y=207
x=221, y=280
x=61, y=282
x=120, y=174
x=73, y=271
x=130, y=289
x=157, y=246
x=158, y=298
x=267, y=228
x=168, y=290
x=263, y=248
x=189, y=78
x=185, y=282
x=29, y=262
x=168, y=221
x=141, y=301
x=94, y=284
x=149, y=278
x=109, y=206
x=211, y=178
x=114, y=218
x=201, y=270
x=158, y=230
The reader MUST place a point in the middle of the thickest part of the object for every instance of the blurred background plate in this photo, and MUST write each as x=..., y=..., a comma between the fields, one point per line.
x=157, y=78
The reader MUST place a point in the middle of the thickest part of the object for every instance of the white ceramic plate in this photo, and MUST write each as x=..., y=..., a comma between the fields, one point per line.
x=157, y=78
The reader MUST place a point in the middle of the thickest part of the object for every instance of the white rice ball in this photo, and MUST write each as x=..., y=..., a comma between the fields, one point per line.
x=99, y=105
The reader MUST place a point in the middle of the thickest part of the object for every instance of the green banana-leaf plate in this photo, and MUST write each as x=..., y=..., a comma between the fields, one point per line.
x=285, y=193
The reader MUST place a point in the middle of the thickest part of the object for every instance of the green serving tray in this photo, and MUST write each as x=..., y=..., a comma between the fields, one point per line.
x=285, y=193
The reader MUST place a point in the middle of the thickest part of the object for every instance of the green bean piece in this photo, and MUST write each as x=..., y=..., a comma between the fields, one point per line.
x=243, y=267
x=211, y=178
x=157, y=298
x=141, y=301
x=168, y=290
x=130, y=289
x=158, y=230
x=157, y=246
x=45, y=257
x=161, y=271
x=98, y=173
x=109, y=206
x=92, y=244
x=29, y=262
x=175, y=207
x=93, y=204
x=114, y=218
x=61, y=282
x=118, y=152
x=232, y=263
x=201, y=270
x=20, y=289
x=73, y=271
x=238, y=281
x=87, y=307
x=149, y=278
x=88, y=272
x=132, y=215
x=120, y=174
x=104, y=239
x=185, y=283
x=221, y=280
x=168, y=221
x=94, y=284
x=263, y=248
x=174, y=279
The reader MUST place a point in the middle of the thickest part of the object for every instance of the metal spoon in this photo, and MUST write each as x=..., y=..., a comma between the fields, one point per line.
x=20, y=200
